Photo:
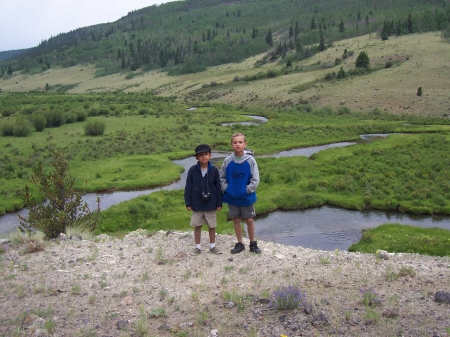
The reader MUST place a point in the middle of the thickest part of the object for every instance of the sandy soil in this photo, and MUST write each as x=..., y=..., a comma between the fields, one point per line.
x=154, y=285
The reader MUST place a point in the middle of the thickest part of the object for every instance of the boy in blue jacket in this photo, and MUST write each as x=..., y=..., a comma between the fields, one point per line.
x=239, y=177
x=203, y=196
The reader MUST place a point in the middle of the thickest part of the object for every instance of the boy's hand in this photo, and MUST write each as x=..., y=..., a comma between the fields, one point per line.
x=189, y=208
x=218, y=208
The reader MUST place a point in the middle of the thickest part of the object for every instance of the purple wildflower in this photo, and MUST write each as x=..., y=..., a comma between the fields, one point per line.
x=287, y=298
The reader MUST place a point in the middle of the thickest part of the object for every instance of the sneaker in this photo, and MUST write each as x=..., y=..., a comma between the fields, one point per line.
x=215, y=251
x=238, y=247
x=254, y=247
x=197, y=251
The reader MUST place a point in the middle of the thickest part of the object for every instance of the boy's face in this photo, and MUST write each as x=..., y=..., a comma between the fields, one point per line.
x=238, y=143
x=203, y=157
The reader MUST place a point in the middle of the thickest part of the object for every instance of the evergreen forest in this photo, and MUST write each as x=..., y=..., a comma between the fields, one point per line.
x=189, y=36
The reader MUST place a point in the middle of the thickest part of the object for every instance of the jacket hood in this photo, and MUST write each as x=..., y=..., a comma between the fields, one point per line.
x=248, y=153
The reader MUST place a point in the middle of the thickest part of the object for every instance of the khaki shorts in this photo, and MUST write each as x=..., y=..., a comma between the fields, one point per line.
x=244, y=212
x=199, y=218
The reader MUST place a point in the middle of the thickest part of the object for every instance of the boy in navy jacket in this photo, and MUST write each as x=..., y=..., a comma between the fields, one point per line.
x=203, y=196
x=239, y=178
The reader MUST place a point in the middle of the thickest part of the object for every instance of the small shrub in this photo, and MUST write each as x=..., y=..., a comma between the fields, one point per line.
x=158, y=312
x=65, y=207
x=39, y=122
x=287, y=298
x=70, y=117
x=271, y=73
x=22, y=127
x=388, y=64
x=6, y=129
x=419, y=91
x=343, y=110
x=93, y=112
x=7, y=113
x=368, y=297
x=81, y=115
x=330, y=76
x=54, y=118
x=94, y=128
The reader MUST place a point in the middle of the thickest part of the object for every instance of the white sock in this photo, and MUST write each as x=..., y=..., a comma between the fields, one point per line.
x=199, y=246
x=212, y=245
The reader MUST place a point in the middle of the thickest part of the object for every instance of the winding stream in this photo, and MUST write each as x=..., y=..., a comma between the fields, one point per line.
x=325, y=228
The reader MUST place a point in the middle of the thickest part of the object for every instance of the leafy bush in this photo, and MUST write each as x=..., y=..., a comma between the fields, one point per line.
x=39, y=122
x=81, y=115
x=271, y=73
x=70, y=117
x=7, y=113
x=330, y=76
x=64, y=207
x=22, y=127
x=94, y=128
x=54, y=118
x=93, y=112
x=6, y=129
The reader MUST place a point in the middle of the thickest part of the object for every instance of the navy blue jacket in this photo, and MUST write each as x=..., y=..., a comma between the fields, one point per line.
x=196, y=185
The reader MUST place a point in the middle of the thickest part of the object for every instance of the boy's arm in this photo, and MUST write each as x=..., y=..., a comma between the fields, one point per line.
x=254, y=180
x=188, y=189
x=222, y=175
x=218, y=188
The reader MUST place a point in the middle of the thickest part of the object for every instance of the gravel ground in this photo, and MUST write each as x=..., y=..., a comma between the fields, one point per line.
x=154, y=285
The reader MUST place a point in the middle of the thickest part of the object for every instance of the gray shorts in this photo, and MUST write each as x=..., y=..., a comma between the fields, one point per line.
x=244, y=212
x=199, y=218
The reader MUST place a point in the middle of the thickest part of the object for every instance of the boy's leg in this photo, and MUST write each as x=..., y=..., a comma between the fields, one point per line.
x=197, y=234
x=237, y=228
x=251, y=235
x=212, y=235
x=250, y=229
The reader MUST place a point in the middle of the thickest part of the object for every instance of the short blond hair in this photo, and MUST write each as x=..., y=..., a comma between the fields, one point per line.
x=238, y=134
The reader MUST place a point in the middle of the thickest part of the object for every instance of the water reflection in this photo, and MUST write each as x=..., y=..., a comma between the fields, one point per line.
x=328, y=228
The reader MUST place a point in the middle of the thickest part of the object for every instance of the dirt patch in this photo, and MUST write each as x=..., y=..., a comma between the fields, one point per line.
x=154, y=285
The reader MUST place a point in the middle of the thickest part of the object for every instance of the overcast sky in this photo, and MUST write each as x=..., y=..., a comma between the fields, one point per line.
x=25, y=23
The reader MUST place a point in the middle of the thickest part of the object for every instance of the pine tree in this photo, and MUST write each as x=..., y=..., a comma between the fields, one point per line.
x=341, y=27
x=269, y=37
x=312, y=26
x=322, y=40
x=409, y=24
x=384, y=32
x=254, y=33
x=363, y=61
x=341, y=73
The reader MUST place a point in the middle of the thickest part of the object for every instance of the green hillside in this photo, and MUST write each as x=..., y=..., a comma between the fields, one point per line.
x=189, y=36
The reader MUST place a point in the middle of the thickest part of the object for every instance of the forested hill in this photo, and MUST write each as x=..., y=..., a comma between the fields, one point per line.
x=188, y=36
x=6, y=55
